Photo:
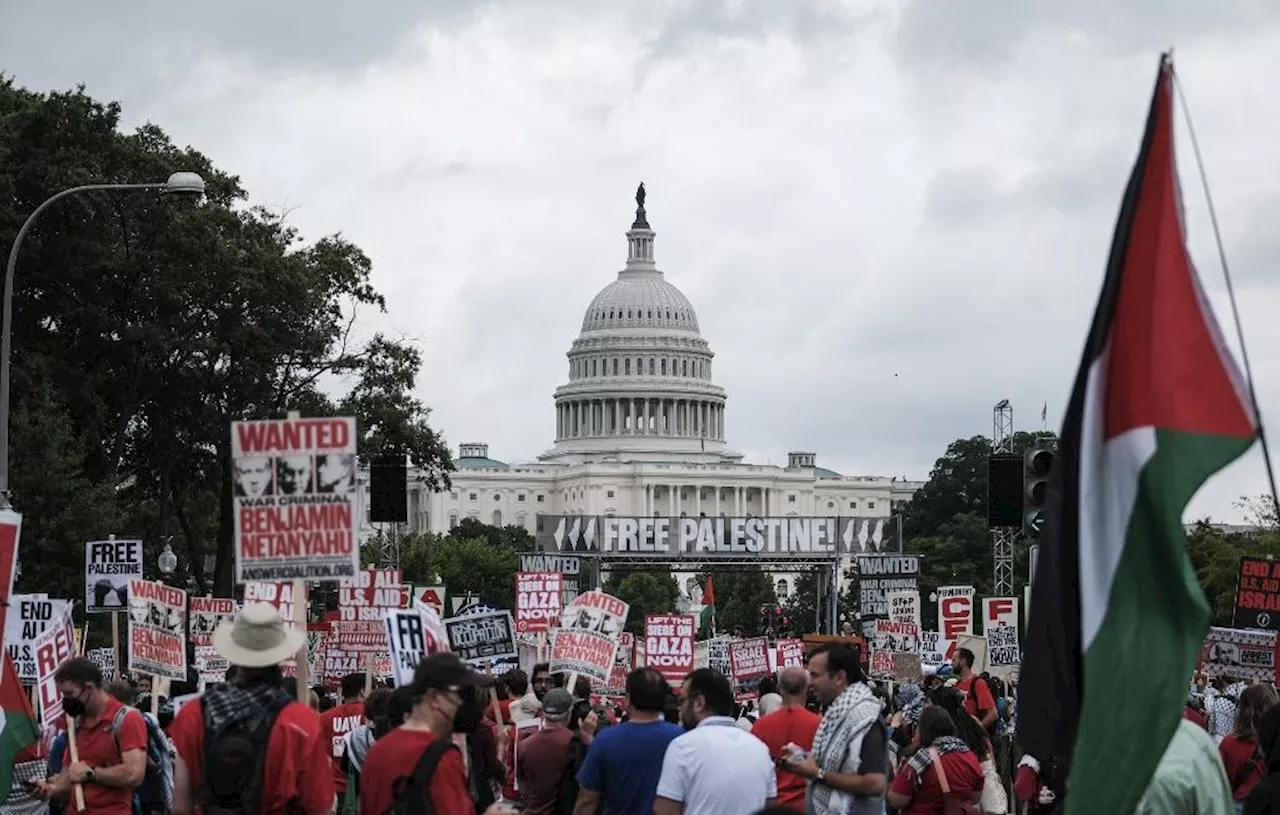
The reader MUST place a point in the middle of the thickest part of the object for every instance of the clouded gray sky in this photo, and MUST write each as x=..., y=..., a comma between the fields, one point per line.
x=875, y=208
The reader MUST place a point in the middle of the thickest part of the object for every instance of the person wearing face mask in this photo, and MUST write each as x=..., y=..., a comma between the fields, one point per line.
x=111, y=739
x=421, y=758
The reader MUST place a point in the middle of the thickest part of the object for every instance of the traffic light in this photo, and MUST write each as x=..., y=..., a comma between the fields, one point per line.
x=764, y=618
x=1037, y=463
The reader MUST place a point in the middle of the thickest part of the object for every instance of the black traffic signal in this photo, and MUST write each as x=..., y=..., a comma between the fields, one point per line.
x=1037, y=463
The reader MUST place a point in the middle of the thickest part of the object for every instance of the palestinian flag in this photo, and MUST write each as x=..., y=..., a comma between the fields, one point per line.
x=18, y=729
x=707, y=619
x=1117, y=615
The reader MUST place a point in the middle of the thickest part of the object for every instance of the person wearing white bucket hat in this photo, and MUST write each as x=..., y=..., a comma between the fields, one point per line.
x=247, y=746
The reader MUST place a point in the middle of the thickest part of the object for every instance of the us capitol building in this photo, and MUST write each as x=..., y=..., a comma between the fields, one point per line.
x=640, y=431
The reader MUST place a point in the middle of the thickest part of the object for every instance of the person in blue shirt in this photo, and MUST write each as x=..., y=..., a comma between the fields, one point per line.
x=620, y=774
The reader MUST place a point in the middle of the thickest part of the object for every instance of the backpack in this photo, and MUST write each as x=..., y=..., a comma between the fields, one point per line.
x=235, y=758
x=413, y=792
x=156, y=789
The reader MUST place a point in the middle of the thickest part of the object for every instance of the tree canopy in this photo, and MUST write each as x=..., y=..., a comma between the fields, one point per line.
x=648, y=592
x=144, y=325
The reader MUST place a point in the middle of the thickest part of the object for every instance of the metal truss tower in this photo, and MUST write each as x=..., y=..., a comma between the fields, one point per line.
x=389, y=546
x=1002, y=537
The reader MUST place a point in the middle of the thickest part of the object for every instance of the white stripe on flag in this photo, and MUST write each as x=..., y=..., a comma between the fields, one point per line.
x=1109, y=476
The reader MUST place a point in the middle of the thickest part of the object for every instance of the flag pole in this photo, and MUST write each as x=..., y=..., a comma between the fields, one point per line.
x=1226, y=275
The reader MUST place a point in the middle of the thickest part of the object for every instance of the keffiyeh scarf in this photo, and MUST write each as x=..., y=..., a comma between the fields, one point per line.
x=910, y=702
x=844, y=724
x=921, y=761
x=358, y=743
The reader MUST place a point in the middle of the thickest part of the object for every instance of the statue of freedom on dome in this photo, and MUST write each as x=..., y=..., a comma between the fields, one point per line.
x=640, y=195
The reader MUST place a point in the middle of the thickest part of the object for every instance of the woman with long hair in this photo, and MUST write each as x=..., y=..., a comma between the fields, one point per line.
x=1241, y=750
x=944, y=759
x=967, y=727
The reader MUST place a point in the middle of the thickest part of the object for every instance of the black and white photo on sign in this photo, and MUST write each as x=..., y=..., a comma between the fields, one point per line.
x=254, y=477
x=108, y=567
x=294, y=474
x=335, y=473
x=161, y=616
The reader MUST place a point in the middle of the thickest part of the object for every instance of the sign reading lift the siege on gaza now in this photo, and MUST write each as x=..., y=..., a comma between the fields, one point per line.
x=296, y=503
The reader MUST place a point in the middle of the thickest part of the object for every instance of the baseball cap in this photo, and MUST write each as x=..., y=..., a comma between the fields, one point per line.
x=558, y=702
x=445, y=671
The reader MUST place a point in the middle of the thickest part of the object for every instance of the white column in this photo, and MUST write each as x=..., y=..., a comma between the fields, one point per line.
x=737, y=502
x=717, y=501
x=646, y=415
x=697, y=504
x=616, y=414
x=671, y=502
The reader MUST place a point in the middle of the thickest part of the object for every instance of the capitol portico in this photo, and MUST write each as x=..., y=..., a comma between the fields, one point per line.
x=639, y=430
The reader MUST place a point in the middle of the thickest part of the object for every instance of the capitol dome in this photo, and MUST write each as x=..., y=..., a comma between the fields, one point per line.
x=640, y=385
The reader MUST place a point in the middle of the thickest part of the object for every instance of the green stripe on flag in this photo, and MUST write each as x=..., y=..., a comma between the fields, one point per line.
x=19, y=732
x=1138, y=669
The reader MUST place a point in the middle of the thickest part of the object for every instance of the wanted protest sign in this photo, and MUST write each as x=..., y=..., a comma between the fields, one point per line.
x=29, y=616
x=587, y=639
x=538, y=605
x=296, y=504
x=624, y=660
x=668, y=644
x=482, y=638
x=108, y=567
x=1239, y=654
x=895, y=637
x=206, y=614
x=157, y=630
x=878, y=575
x=569, y=567
x=55, y=646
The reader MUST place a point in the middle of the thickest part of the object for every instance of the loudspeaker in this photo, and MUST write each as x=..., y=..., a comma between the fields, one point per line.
x=389, y=490
x=1004, y=491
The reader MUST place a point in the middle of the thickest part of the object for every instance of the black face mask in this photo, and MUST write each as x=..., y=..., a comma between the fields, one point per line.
x=73, y=706
x=467, y=718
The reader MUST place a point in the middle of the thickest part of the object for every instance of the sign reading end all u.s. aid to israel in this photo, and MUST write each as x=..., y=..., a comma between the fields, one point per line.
x=785, y=538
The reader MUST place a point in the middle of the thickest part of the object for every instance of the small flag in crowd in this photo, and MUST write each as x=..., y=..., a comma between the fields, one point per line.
x=17, y=724
x=1117, y=614
x=707, y=620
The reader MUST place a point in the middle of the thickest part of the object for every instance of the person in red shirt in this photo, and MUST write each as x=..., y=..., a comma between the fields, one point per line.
x=1242, y=755
x=445, y=702
x=977, y=694
x=337, y=722
x=792, y=723
x=111, y=765
x=291, y=772
x=917, y=789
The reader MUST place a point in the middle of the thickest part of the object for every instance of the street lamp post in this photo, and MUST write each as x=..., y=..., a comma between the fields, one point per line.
x=168, y=561
x=178, y=184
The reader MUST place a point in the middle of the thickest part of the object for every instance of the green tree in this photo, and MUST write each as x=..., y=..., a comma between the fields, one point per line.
x=802, y=603
x=143, y=326
x=472, y=565
x=739, y=595
x=515, y=538
x=648, y=592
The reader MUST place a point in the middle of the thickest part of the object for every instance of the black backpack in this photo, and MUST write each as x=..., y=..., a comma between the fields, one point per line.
x=413, y=792
x=235, y=757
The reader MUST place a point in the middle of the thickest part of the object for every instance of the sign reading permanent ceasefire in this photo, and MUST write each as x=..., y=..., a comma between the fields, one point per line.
x=695, y=538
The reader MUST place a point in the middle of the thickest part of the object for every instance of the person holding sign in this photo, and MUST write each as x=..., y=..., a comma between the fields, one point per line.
x=108, y=744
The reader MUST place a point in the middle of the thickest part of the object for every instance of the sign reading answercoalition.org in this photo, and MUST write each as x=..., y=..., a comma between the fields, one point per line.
x=788, y=538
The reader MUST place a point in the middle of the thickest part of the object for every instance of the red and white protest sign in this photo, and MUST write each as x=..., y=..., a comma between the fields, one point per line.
x=56, y=645
x=157, y=629
x=587, y=639
x=955, y=611
x=897, y=637
x=998, y=611
x=279, y=595
x=211, y=667
x=206, y=614
x=624, y=659
x=537, y=601
x=430, y=596
x=749, y=659
x=668, y=644
x=296, y=507
x=881, y=664
x=790, y=653
x=370, y=595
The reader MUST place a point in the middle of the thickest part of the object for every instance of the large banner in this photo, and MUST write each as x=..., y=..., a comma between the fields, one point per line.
x=1239, y=654
x=28, y=616
x=538, y=605
x=483, y=637
x=955, y=611
x=668, y=644
x=878, y=577
x=1258, y=594
x=108, y=567
x=206, y=614
x=157, y=630
x=787, y=538
x=296, y=504
x=587, y=639
x=573, y=580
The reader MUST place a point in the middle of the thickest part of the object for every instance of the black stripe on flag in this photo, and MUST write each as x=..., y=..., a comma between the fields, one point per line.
x=1050, y=683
